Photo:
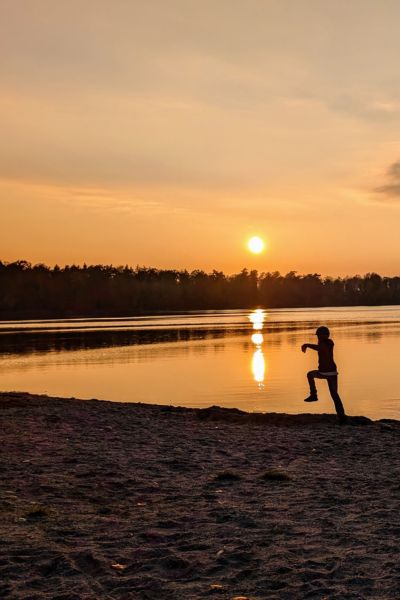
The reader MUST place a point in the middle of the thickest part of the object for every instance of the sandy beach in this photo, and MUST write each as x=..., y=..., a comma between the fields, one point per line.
x=143, y=502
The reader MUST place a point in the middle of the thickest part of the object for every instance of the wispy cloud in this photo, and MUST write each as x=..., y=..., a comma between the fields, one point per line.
x=391, y=189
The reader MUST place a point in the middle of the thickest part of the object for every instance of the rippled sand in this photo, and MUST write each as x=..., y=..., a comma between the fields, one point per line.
x=129, y=501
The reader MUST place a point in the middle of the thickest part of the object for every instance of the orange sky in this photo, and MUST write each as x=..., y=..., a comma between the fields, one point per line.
x=167, y=133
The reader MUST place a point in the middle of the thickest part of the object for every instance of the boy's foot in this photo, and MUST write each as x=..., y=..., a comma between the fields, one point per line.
x=343, y=420
x=311, y=398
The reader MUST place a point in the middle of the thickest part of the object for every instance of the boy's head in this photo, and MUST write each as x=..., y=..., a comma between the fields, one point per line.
x=322, y=333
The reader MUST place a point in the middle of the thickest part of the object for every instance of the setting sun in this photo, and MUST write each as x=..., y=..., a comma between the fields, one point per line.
x=256, y=245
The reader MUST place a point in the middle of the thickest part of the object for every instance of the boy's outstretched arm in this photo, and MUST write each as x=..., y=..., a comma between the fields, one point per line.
x=311, y=346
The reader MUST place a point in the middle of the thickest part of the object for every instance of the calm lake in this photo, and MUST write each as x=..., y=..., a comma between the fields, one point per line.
x=249, y=360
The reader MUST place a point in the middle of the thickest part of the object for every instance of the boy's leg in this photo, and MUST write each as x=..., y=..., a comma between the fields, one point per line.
x=311, y=375
x=333, y=389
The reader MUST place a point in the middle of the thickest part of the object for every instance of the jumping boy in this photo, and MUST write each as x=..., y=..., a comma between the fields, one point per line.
x=326, y=370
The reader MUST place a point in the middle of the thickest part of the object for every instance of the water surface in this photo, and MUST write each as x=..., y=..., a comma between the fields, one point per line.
x=249, y=360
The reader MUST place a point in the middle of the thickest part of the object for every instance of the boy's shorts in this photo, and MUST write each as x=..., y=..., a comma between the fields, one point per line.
x=328, y=373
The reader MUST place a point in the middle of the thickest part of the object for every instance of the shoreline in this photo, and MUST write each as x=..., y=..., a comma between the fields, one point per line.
x=148, y=502
x=13, y=316
x=213, y=412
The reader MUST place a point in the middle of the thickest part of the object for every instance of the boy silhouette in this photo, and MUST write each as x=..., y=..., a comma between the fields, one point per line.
x=326, y=370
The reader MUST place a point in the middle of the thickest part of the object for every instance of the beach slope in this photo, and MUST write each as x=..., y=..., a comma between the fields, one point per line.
x=131, y=501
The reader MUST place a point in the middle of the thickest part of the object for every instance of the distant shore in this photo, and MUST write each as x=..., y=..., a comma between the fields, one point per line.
x=132, y=501
x=92, y=291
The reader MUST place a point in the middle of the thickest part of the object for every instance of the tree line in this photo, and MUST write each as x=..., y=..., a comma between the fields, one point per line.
x=40, y=291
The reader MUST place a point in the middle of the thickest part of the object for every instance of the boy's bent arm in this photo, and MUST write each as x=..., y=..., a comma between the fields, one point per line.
x=313, y=346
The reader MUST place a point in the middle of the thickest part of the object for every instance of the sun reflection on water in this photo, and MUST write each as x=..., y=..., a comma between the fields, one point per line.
x=258, y=367
x=257, y=339
x=257, y=318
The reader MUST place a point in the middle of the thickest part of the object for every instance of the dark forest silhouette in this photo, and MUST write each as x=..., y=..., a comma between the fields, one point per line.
x=39, y=291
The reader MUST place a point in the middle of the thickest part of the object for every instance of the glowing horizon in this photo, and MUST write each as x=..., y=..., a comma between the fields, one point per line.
x=166, y=134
